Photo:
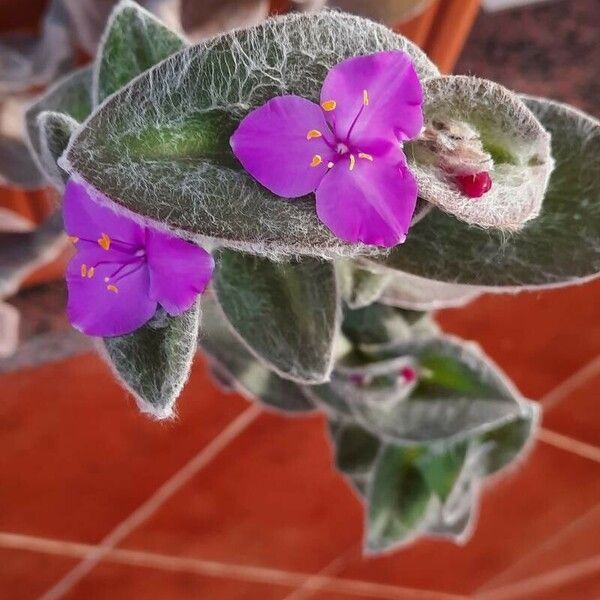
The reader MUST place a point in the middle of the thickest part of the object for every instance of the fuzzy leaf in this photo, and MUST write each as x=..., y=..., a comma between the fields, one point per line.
x=286, y=312
x=399, y=499
x=134, y=40
x=163, y=140
x=153, y=363
x=375, y=325
x=71, y=97
x=442, y=469
x=328, y=399
x=459, y=393
x=416, y=293
x=55, y=132
x=507, y=442
x=518, y=144
x=241, y=370
x=355, y=449
x=360, y=287
x=560, y=247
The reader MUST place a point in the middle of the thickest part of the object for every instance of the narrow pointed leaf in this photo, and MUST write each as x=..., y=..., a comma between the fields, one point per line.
x=134, y=40
x=360, y=287
x=398, y=501
x=163, y=141
x=285, y=312
x=355, y=449
x=442, y=469
x=375, y=325
x=154, y=362
x=241, y=370
x=560, y=247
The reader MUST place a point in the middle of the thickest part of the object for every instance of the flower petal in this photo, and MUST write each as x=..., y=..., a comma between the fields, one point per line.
x=95, y=309
x=373, y=203
x=277, y=143
x=85, y=218
x=377, y=96
x=179, y=271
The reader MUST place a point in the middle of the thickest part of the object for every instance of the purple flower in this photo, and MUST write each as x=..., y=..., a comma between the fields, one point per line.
x=122, y=271
x=348, y=150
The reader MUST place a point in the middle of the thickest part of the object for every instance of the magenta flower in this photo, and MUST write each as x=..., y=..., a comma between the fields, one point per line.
x=348, y=150
x=122, y=270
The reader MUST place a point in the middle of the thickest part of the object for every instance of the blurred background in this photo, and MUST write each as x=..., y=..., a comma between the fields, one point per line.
x=230, y=501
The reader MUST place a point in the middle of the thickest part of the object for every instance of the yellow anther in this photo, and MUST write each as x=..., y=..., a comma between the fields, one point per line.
x=352, y=161
x=365, y=97
x=73, y=239
x=112, y=288
x=313, y=133
x=90, y=272
x=330, y=165
x=316, y=160
x=83, y=270
x=329, y=105
x=365, y=155
x=104, y=242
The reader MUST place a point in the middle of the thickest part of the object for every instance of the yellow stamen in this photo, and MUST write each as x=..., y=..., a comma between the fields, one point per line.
x=329, y=105
x=90, y=272
x=112, y=288
x=316, y=160
x=365, y=98
x=73, y=239
x=313, y=133
x=83, y=270
x=352, y=161
x=365, y=155
x=104, y=242
x=330, y=165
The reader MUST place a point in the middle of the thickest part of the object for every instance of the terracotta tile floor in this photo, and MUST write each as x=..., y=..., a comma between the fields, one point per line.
x=231, y=502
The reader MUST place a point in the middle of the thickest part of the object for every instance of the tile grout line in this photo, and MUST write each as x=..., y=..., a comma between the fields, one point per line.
x=545, y=581
x=154, y=502
x=248, y=573
x=563, y=442
x=497, y=580
x=571, y=383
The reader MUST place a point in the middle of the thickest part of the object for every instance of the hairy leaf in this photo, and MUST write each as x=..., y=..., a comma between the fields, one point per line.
x=55, y=133
x=355, y=449
x=360, y=287
x=441, y=469
x=458, y=393
x=153, y=363
x=240, y=368
x=398, y=500
x=509, y=132
x=134, y=40
x=375, y=325
x=560, y=247
x=285, y=312
x=71, y=97
x=163, y=140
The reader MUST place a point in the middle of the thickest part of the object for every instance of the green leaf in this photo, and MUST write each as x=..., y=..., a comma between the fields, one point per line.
x=360, y=287
x=285, y=312
x=55, y=132
x=398, y=501
x=153, y=362
x=355, y=449
x=163, y=140
x=329, y=399
x=459, y=393
x=241, y=370
x=375, y=325
x=521, y=151
x=134, y=40
x=441, y=469
x=507, y=442
x=560, y=247
x=71, y=97
x=416, y=293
